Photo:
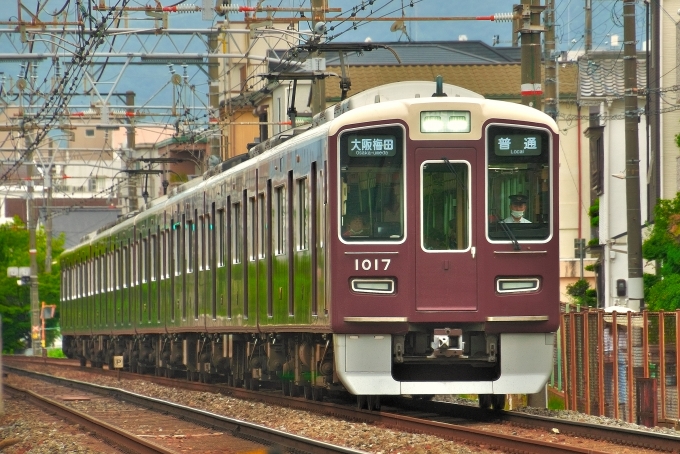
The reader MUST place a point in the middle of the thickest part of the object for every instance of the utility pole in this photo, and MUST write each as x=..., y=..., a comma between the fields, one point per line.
x=550, y=62
x=654, y=106
x=47, y=175
x=31, y=214
x=588, y=31
x=530, y=31
x=214, y=95
x=133, y=203
x=633, y=219
x=318, y=84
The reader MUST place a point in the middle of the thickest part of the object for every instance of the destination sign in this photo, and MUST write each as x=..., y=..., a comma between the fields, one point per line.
x=517, y=145
x=370, y=146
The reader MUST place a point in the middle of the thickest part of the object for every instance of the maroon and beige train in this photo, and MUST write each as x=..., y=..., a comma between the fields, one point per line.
x=405, y=243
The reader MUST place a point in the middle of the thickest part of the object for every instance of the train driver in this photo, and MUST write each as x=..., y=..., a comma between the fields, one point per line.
x=518, y=204
x=356, y=226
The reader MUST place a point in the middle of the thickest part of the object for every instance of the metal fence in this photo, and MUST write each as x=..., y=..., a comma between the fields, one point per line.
x=620, y=365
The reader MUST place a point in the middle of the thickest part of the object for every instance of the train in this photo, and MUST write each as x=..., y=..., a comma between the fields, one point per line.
x=377, y=251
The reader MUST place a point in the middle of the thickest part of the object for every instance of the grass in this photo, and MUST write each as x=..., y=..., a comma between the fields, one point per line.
x=55, y=353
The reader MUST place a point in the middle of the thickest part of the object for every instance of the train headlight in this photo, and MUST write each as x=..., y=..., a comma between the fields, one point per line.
x=363, y=285
x=445, y=121
x=517, y=285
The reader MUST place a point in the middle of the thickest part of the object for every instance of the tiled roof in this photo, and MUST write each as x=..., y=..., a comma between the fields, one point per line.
x=601, y=74
x=499, y=81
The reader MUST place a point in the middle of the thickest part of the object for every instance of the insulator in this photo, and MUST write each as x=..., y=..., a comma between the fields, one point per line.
x=227, y=9
x=223, y=9
x=503, y=17
x=181, y=9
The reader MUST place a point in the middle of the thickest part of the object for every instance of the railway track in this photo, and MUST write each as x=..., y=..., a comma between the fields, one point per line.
x=101, y=429
x=450, y=421
x=145, y=425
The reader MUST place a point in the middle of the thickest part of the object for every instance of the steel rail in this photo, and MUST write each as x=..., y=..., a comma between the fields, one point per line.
x=114, y=435
x=630, y=437
x=447, y=431
x=237, y=427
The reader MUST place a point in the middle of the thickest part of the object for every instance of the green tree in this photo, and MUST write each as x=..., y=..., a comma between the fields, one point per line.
x=15, y=305
x=662, y=292
x=581, y=293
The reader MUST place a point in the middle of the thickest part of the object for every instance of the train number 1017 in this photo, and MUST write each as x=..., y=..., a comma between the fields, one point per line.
x=371, y=265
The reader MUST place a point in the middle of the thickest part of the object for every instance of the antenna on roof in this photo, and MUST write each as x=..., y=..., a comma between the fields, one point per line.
x=440, y=88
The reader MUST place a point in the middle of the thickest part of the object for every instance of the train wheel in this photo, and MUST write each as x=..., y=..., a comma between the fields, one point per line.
x=485, y=401
x=294, y=390
x=373, y=403
x=83, y=362
x=498, y=401
x=285, y=387
x=317, y=393
x=254, y=384
x=361, y=402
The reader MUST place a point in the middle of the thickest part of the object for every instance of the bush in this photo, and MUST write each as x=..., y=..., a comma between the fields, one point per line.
x=581, y=293
x=55, y=353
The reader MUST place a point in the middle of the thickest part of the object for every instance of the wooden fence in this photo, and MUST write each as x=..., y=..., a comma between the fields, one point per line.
x=620, y=365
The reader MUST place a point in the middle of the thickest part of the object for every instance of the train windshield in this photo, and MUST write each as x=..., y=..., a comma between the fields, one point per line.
x=518, y=183
x=372, y=184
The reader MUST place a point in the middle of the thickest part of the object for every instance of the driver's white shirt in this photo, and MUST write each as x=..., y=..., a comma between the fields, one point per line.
x=511, y=220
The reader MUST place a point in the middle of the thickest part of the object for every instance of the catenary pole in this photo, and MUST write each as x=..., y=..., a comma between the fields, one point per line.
x=633, y=219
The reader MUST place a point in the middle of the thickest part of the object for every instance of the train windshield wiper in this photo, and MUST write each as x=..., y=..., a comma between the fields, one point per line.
x=508, y=232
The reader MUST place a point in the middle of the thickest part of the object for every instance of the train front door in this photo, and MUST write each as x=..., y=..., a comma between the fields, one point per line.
x=445, y=248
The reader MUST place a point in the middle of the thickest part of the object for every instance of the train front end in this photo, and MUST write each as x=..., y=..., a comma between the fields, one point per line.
x=440, y=281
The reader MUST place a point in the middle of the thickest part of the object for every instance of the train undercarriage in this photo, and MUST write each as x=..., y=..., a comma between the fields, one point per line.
x=305, y=364
x=299, y=364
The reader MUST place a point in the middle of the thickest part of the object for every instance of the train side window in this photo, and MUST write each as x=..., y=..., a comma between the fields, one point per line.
x=83, y=277
x=108, y=282
x=279, y=220
x=162, y=255
x=219, y=236
x=518, y=183
x=178, y=247
x=100, y=274
x=208, y=251
x=238, y=237
x=200, y=239
x=262, y=221
x=94, y=290
x=145, y=260
x=133, y=262
x=153, y=245
x=302, y=215
x=124, y=268
x=189, y=246
x=252, y=232
x=117, y=281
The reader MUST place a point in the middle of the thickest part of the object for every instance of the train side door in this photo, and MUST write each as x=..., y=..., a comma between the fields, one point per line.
x=446, y=278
